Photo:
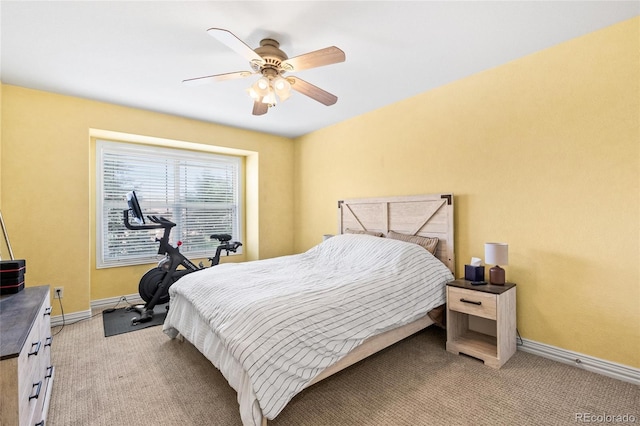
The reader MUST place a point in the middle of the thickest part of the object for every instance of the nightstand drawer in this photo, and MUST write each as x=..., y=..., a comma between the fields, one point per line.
x=472, y=302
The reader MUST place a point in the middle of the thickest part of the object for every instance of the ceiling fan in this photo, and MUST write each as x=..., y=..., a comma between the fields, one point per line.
x=272, y=63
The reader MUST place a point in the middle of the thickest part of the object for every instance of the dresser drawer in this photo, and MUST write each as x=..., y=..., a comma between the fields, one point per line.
x=30, y=374
x=44, y=319
x=44, y=368
x=472, y=302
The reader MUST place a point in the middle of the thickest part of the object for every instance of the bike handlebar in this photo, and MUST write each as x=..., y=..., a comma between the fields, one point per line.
x=231, y=246
x=160, y=222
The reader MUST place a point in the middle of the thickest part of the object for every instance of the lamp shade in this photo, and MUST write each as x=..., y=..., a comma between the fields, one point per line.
x=269, y=98
x=496, y=253
x=282, y=88
x=260, y=88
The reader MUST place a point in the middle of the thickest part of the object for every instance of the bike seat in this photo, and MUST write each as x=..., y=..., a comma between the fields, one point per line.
x=221, y=237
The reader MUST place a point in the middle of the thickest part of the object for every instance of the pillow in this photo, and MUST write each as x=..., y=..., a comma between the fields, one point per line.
x=357, y=231
x=429, y=243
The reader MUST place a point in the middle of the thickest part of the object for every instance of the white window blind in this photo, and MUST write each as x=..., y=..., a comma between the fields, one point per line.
x=199, y=191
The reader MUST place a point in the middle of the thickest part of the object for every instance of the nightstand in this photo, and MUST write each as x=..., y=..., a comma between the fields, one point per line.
x=495, y=303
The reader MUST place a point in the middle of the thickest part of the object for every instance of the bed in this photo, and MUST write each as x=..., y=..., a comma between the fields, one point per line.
x=275, y=327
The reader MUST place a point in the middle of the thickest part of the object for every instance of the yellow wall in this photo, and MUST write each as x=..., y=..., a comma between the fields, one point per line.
x=48, y=194
x=542, y=153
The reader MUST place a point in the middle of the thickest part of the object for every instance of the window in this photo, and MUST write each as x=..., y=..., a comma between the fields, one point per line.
x=199, y=191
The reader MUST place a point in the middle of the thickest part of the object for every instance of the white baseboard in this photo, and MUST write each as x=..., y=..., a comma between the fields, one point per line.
x=586, y=362
x=131, y=299
x=58, y=320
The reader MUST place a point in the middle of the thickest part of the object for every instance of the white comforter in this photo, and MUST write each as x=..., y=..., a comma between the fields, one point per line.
x=285, y=320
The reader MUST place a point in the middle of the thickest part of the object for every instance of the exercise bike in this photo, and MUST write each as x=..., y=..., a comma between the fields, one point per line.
x=154, y=284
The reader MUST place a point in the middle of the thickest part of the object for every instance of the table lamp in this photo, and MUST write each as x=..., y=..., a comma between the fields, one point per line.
x=496, y=254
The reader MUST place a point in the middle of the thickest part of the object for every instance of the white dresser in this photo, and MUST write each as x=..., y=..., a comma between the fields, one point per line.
x=26, y=373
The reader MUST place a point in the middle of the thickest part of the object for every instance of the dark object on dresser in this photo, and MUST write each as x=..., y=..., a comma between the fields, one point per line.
x=12, y=275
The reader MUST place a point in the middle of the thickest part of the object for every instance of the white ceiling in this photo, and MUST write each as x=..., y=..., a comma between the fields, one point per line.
x=137, y=53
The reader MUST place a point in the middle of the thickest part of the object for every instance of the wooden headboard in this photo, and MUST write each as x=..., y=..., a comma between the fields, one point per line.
x=426, y=215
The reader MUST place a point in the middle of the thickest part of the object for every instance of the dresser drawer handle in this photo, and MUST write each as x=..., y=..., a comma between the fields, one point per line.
x=473, y=302
x=37, y=393
x=48, y=340
x=47, y=311
x=37, y=345
x=49, y=372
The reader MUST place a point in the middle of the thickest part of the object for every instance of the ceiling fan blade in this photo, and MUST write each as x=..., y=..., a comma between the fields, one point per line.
x=314, y=92
x=260, y=108
x=234, y=43
x=218, y=77
x=318, y=58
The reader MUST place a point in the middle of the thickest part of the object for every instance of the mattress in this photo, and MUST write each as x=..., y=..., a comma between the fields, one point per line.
x=272, y=326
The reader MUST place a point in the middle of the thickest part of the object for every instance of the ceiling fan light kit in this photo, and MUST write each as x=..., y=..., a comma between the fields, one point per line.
x=271, y=63
x=269, y=90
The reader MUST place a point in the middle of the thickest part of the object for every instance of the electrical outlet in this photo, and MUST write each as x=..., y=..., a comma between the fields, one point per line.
x=58, y=292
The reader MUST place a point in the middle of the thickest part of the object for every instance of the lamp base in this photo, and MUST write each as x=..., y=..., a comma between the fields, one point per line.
x=496, y=275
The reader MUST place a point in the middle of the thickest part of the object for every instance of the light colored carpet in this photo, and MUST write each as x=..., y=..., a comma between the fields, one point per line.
x=143, y=378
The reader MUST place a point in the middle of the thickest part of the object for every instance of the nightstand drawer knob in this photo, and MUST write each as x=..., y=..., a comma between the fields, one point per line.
x=473, y=302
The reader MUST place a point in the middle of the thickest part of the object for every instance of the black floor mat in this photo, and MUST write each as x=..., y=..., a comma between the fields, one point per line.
x=119, y=321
